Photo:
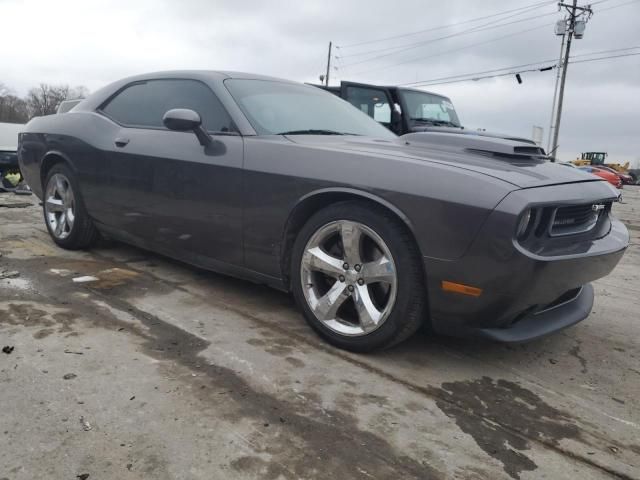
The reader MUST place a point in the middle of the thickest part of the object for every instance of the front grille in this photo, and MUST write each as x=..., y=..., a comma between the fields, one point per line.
x=557, y=221
x=576, y=218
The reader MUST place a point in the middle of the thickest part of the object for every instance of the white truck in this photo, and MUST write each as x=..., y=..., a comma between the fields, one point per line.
x=9, y=168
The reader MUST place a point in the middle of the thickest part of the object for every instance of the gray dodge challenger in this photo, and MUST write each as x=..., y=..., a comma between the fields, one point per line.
x=285, y=184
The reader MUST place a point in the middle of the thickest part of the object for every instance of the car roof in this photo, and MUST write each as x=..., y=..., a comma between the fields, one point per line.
x=336, y=89
x=213, y=74
x=405, y=89
x=408, y=89
x=98, y=97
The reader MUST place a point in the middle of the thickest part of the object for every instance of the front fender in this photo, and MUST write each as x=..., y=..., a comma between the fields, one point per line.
x=355, y=193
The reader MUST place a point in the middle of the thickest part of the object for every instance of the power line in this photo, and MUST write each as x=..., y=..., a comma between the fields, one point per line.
x=475, y=73
x=475, y=79
x=475, y=44
x=474, y=76
x=606, y=58
x=605, y=51
x=432, y=29
x=414, y=59
x=574, y=27
x=480, y=28
x=614, y=6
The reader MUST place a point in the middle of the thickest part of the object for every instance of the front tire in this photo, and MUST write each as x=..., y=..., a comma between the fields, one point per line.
x=65, y=215
x=357, y=277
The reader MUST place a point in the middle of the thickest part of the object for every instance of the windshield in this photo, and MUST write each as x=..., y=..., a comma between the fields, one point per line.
x=277, y=108
x=429, y=107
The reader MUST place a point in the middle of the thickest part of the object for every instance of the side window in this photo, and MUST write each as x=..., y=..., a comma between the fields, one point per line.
x=144, y=104
x=373, y=102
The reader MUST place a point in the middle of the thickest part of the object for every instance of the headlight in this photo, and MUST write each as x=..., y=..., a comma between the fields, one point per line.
x=523, y=224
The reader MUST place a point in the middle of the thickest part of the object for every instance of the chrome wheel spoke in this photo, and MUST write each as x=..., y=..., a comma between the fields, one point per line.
x=327, y=306
x=54, y=205
x=61, y=225
x=381, y=270
x=61, y=188
x=70, y=217
x=363, y=281
x=367, y=312
x=59, y=206
x=351, y=235
x=317, y=260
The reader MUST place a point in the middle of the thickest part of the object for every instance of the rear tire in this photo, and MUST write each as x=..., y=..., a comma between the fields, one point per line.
x=64, y=212
x=357, y=276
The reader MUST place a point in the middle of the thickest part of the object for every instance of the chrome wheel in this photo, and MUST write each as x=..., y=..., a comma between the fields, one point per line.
x=59, y=206
x=348, y=278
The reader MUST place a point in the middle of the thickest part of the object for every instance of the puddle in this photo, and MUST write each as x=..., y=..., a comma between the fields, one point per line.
x=113, y=277
x=479, y=407
x=49, y=321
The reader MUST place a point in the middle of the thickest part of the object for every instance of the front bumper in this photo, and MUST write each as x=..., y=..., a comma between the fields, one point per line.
x=545, y=322
x=525, y=295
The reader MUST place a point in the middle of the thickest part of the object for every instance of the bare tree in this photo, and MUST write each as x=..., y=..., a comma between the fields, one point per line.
x=12, y=108
x=44, y=100
x=78, y=92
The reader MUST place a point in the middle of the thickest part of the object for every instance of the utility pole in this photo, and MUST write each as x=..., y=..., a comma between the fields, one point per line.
x=555, y=96
x=326, y=78
x=572, y=31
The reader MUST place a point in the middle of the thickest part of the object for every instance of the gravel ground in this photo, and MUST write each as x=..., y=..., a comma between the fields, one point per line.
x=160, y=370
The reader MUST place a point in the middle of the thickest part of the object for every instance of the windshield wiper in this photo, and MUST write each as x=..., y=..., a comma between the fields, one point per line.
x=436, y=122
x=311, y=132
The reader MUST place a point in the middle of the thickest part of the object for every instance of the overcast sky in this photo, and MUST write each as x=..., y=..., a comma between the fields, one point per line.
x=94, y=42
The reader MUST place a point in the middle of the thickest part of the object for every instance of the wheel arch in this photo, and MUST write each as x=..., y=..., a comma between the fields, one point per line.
x=51, y=158
x=315, y=201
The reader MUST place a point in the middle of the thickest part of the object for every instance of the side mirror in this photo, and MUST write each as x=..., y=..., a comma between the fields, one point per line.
x=184, y=120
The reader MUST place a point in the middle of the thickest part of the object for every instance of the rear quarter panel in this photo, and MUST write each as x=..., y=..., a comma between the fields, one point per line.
x=79, y=138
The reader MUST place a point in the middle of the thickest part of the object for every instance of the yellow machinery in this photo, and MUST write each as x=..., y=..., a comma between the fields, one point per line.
x=597, y=158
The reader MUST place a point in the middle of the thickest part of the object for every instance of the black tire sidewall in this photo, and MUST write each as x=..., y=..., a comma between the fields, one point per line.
x=408, y=273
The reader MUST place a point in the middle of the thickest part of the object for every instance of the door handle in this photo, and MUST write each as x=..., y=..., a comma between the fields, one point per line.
x=121, y=142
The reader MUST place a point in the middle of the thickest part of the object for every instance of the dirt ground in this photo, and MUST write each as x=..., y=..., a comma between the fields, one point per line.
x=158, y=370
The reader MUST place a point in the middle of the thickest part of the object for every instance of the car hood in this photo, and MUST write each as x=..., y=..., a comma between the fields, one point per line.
x=488, y=156
x=465, y=131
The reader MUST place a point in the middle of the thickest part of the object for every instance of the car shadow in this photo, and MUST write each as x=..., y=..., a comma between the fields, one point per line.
x=423, y=348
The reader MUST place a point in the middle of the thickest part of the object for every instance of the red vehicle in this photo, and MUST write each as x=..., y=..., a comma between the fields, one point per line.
x=626, y=178
x=612, y=178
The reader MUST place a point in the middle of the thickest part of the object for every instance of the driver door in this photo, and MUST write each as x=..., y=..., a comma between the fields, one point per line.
x=164, y=189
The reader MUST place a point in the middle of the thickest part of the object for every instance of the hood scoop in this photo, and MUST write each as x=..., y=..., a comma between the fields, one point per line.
x=498, y=148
